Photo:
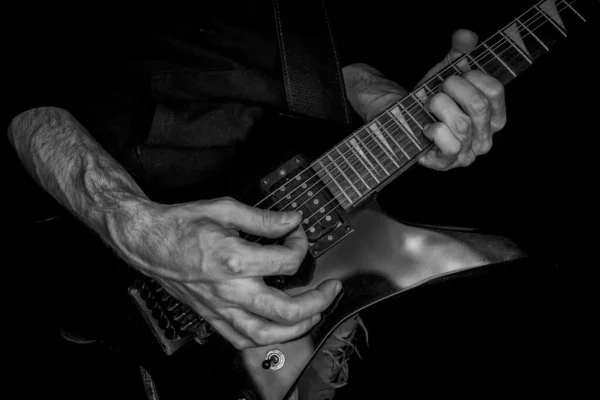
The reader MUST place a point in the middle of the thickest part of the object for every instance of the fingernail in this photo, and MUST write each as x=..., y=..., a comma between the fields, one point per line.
x=338, y=287
x=288, y=218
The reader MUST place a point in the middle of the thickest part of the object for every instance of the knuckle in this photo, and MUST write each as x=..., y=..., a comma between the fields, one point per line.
x=480, y=104
x=436, y=101
x=450, y=82
x=227, y=202
x=485, y=147
x=462, y=125
x=500, y=123
x=260, y=336
x=495, y=89
x=289, y=313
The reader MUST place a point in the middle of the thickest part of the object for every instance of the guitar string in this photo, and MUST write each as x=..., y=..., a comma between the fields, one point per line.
x=416, y=106
x=343, y=192
x=366, y=177
x=357, y=181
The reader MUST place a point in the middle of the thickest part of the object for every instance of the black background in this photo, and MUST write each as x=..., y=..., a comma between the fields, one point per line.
x=509, y=331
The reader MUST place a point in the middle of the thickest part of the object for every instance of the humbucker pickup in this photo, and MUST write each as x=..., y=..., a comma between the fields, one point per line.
x=294, y=186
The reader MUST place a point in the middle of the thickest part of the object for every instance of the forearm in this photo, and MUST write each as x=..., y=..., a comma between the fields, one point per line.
x=68, y=163
x=367, y=89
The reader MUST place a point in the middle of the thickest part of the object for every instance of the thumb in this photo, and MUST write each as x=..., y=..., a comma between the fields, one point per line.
x=463, y=41
x=266, y=223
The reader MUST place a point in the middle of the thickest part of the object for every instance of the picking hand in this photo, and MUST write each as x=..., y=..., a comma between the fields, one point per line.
x=195, y=251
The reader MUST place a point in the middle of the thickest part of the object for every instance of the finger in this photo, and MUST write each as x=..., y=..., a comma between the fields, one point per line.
x=448, y=112
x=284, y=309
x=266, y=223
x=494, y=91
x=463, y=41
x=447, y=147
x=245, y=259
x=263, y=332
x=476, y=105
x=225, y=329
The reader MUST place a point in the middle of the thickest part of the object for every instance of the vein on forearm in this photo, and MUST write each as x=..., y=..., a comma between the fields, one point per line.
x=66, y=161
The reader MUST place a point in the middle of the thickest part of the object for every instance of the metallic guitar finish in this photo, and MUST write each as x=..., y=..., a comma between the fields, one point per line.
x=381, y=259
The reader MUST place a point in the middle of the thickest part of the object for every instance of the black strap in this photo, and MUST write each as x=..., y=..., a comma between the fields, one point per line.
x=311, y=68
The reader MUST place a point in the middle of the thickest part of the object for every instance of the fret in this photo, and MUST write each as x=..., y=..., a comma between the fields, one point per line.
x=477, y=65
x=570, y=17
x=499, y=59
x=543, y=30
x=420, y=114
x=455, y=68
x=535, y=46
x=360, y=182
x=383, y=144
x=370, y=151
x=366, y=173
x=343, y=173
x=387, y=123
x=511, y=33
x=549, y=11
x=399, y=117
x=574, y=10
x=493, y=65
x=364, y=158
x=335, y=189
x=410, y=109
x=510, y=54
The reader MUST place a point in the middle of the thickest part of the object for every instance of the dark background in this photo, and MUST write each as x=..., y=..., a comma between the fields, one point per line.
x=508, y=331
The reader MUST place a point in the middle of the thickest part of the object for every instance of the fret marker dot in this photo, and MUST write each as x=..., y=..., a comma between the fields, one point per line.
x=294, y=204
x=328, y=218
x=310, y=193
x=282, y=189
x=305, y=221
x=298, y=177
x=288, y=197
x=322, y=209
x=312, y=229
x=304, y=186
x=316, y=201
x=300, y=212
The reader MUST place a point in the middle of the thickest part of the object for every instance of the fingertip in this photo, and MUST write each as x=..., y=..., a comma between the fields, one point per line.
x=464, y=40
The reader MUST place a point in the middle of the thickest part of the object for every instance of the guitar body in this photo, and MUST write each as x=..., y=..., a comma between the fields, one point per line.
x=382, y=259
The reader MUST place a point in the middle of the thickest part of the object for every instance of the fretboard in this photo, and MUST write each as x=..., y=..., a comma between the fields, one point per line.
x=381, y=149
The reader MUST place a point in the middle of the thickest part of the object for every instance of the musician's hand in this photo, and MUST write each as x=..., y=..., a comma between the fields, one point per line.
x=470, y=107
x=194, y=250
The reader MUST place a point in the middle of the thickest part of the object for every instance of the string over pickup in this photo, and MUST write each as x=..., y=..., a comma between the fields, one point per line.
x=295, y=186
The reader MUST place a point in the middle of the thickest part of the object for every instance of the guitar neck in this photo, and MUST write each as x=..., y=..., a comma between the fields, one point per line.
x=380, y=150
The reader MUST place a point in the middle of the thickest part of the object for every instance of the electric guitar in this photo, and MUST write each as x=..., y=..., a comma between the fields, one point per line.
x=334, y=185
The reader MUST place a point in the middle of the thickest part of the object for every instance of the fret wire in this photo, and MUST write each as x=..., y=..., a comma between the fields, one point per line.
x=405, y=128
x=354, y=146
x=574, y=10
x=334, y=181
x=377, y=139
x=353, y=169
x=532, y=34
x=453, y=65
x=551, y=20
x=518, y=48
x=360, y=159
x=499, y=59
x=392, y=136
x=424, y=109
x=343, y=174
x=475, y=62
x=413, y=118
x=385, y=132
x=518, y=22
x=372, y=155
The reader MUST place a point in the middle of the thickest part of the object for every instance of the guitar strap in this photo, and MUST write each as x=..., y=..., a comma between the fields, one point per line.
x=312, y=72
